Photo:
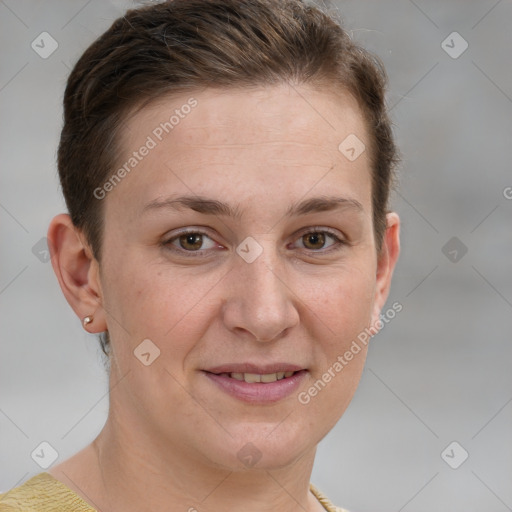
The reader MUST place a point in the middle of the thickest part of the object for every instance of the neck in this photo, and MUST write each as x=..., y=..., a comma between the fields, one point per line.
x=139, y=473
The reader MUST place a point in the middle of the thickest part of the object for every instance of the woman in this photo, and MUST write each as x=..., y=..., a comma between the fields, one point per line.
x=226, y=166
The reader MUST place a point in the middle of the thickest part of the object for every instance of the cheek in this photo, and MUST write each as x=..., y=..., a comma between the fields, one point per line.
x=169, y=308
x=340, y=314
x=344, y=302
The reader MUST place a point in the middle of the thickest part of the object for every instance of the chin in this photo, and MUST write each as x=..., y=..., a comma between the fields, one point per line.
x=260, y=450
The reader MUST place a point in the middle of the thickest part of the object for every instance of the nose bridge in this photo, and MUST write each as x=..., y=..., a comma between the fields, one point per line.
x=262, y=285
x=261, y=301
x=262, y=277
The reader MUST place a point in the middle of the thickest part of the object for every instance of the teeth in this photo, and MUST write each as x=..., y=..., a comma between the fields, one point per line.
x=254, y=377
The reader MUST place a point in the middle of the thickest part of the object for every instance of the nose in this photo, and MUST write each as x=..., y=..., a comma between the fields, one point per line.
x=261, y=300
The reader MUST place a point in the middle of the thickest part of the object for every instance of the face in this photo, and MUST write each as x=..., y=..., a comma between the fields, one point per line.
x=241, y=245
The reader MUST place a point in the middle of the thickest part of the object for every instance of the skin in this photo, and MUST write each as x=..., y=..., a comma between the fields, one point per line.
x=172, y=437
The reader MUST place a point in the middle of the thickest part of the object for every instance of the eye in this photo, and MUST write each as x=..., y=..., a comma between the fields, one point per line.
x=316, y=240
x=191, y=241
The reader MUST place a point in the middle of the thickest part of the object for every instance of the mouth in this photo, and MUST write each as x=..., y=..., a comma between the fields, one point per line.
x=257, y=384
x=251, y=378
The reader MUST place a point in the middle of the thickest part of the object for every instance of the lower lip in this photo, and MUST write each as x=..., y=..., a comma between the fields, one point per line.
x=258, y=392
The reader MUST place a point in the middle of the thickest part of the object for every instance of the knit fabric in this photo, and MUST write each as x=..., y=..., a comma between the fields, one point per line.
x=44, y=493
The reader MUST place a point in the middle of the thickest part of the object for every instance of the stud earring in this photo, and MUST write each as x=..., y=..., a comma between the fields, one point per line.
x=87, y=320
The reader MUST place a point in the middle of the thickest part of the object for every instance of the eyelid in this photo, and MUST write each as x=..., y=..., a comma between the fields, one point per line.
x=185, y=231
x=339, y=240
x=320, y=229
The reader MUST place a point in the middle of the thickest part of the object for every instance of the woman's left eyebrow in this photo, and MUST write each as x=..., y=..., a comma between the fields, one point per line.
x=323, y=204
x=209, y=206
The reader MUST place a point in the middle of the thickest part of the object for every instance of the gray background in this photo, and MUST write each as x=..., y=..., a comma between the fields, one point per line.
x=439, y=372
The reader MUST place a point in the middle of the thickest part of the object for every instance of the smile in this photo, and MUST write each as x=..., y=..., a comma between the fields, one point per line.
x=257, y=385
x=255, y=377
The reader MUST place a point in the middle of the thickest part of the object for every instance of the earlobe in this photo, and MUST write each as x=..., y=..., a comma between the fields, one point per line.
x=77, y=272
x=386, y=263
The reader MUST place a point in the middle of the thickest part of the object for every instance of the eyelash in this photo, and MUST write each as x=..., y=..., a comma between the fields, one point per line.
x=336, y=246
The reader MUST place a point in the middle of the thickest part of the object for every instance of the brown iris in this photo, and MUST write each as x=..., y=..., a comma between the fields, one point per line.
x=314, y=240
x=191, y=241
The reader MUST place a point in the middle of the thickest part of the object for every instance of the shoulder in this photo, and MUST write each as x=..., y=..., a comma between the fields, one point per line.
x=42, y=493
x=325, y=501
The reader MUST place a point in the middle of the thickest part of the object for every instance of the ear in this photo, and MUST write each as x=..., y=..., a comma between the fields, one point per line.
x=386, y=262
x=77, y=271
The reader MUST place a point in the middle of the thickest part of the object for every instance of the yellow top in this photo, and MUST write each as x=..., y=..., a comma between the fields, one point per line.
x=44, y=493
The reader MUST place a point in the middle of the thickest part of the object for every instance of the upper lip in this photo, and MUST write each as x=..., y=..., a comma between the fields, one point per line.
x=259, y=369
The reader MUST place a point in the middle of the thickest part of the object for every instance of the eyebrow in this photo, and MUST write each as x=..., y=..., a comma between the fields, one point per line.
x=196, y=203
x=324, y=204
x=213, y=207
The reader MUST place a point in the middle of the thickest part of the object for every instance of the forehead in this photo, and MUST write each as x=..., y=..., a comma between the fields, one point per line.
x=249, y=116
x=253, y=137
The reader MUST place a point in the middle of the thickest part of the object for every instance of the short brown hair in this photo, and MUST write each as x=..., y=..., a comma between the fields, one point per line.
x=184, y=45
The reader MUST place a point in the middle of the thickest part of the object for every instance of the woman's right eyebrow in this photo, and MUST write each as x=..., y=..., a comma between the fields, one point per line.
x=199, y=204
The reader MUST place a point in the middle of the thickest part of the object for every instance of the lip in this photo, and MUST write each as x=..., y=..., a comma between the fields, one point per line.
x=256, y=393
